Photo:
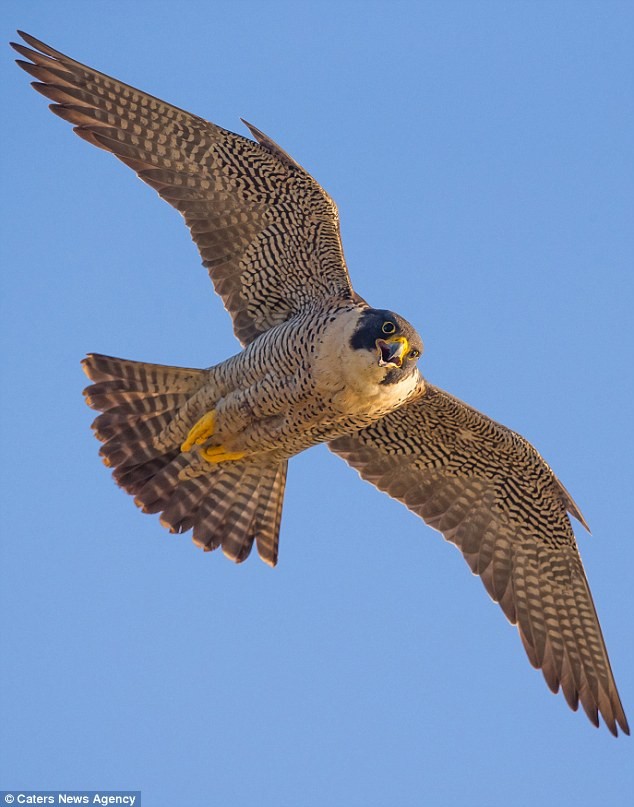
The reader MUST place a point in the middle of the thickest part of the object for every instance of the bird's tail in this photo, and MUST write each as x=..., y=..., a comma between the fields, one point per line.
x=231, y=504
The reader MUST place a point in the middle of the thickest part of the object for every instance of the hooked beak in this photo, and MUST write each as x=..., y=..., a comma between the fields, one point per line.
x=392, y=351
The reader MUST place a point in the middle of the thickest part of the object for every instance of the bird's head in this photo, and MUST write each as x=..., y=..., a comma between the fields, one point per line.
x=393, y=342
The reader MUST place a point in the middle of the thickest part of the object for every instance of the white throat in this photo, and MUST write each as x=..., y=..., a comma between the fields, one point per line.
x=352, y=378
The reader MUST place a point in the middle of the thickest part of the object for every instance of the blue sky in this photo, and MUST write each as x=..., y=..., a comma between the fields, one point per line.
x=480, y=154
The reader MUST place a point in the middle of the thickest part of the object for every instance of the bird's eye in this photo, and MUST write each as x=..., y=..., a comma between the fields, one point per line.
x=388, y=327
x=414, y=354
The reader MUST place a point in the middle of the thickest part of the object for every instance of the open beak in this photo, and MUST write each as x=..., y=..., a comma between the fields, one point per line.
x=392, y=351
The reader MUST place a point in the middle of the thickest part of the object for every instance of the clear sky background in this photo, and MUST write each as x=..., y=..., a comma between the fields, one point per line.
x=481, y=157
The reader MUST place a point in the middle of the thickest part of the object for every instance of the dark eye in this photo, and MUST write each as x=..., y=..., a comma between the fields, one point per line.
x=388, y=327
x=414, y=354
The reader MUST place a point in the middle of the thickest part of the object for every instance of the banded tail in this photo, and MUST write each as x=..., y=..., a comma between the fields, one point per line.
x=231, y=505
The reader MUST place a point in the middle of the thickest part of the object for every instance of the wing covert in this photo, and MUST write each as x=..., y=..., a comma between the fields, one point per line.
x=487, y=490
x=266, y=230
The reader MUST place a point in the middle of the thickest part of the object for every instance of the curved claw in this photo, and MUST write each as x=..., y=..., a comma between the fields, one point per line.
x=217, y=454
x=202, y=430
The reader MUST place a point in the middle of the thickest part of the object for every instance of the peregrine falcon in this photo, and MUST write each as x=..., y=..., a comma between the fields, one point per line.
x=208, y=449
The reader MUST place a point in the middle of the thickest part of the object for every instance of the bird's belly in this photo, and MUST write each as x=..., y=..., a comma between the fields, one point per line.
x=280, y=427
x=280, y=417
x=276, y=400
x=295, y=420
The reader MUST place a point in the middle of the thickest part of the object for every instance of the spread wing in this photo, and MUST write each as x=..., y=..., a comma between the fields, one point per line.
x=488, y=491
x=267, y=232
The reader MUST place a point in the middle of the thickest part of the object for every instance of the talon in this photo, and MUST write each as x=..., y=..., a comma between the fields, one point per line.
x=217, y=454
x=201, y=431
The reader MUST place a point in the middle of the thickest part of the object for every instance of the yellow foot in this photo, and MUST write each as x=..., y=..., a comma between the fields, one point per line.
x=201, y=432
x=220, y=454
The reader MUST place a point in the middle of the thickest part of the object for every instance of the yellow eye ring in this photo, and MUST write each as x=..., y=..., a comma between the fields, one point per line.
x=388, y=327
x=414, y=354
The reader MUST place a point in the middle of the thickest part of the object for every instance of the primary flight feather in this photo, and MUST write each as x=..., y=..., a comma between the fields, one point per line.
x=208, y=449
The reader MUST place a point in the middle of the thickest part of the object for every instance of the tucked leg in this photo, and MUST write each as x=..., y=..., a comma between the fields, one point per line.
x=201, y=432
x=217, y=454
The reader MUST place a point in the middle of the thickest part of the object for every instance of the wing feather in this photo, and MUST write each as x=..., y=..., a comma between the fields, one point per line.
x=490, y=493
x=266, y=230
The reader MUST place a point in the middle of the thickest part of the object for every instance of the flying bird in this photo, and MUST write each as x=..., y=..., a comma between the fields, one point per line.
x=208, y=448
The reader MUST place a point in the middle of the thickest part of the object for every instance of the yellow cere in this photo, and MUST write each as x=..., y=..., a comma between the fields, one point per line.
x=400, y=339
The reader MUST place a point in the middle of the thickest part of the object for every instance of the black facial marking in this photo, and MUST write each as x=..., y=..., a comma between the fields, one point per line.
x=394, y=375
x=380, y=324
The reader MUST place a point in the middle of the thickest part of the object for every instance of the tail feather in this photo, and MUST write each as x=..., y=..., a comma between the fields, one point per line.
x=267, y=537
x=231, y=505
x=242, y=512
x=133, y=479
x=158, y=490
x=142, y=376
x=246, y=506
x=179, y=513
x=204, y=532
x=132, y=443
x=126, y=405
